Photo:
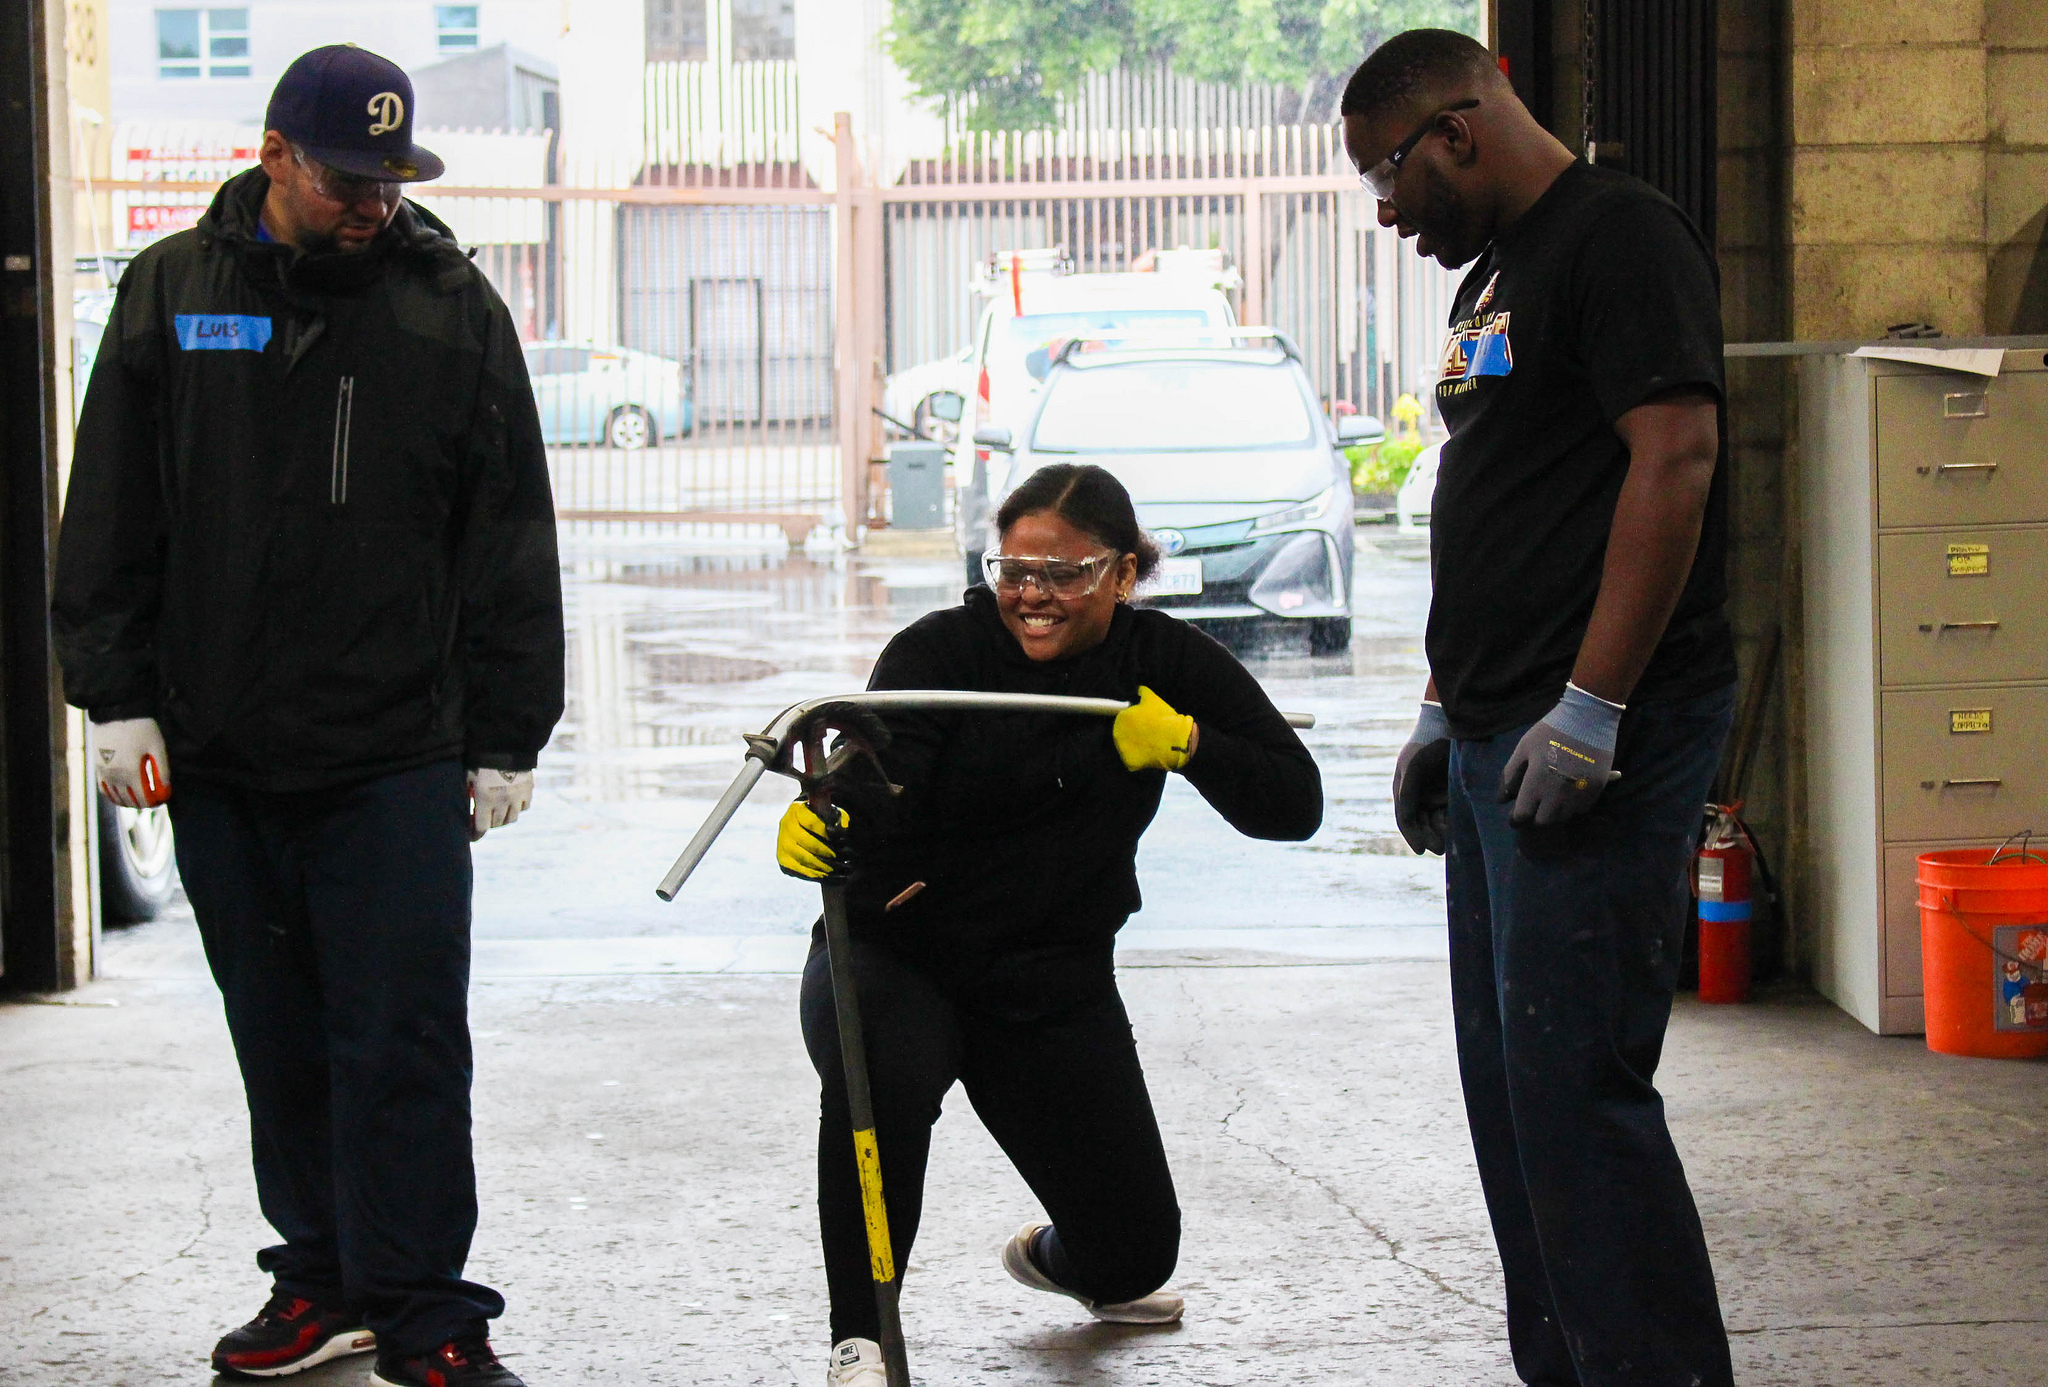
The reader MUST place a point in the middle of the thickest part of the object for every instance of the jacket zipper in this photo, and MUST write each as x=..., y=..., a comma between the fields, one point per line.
x=344, y=408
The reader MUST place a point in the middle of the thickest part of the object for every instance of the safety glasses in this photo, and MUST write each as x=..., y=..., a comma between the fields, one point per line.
x=1058, y=578
x=1379, y=180
x=346, y=188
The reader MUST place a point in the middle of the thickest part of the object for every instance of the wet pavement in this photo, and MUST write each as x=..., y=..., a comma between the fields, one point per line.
x=673, y=656
x=645, y=1112
x=675, y=652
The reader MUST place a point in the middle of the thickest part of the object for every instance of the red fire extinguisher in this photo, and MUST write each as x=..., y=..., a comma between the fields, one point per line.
x=1721, y=880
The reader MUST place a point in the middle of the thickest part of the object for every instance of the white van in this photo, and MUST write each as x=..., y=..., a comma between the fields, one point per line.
x=1033, y=307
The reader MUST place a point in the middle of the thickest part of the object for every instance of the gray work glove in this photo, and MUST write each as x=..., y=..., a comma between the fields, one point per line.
x=1422, y=781
x=1563, y=763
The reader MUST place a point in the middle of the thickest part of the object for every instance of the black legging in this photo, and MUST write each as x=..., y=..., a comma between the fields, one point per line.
x=1040, y=1040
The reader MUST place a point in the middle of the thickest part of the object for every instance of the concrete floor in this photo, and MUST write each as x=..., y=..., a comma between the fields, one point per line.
x=644, y=1142
x=645, y=1112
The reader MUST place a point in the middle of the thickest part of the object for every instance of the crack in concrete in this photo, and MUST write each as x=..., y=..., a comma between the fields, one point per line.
x=1871, y=1328
x=205, y=1222
x=206, y=1192
x=1392, y=1244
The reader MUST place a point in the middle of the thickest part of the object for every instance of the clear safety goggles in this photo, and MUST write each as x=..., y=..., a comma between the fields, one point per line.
x=1064, y=579
x=1379, y=180
x=346, y=188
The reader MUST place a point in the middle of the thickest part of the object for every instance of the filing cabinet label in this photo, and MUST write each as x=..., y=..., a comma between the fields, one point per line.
x=1969, y=720
x=1969, y=560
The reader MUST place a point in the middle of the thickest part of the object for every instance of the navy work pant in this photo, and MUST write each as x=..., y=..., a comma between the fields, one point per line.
x=1041, y=1042
x=1565, y=947
x=337, y=925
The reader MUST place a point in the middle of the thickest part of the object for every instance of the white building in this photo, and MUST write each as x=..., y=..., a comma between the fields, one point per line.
x=632, y=73
x=172, y=62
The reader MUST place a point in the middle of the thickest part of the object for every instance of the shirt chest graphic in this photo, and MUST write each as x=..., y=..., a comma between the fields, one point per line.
x=1478, y=347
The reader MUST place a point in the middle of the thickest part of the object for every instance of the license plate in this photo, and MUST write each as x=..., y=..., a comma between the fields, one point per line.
x=1175, y=578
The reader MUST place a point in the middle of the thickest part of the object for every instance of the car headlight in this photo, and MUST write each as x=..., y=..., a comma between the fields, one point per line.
x=1296, y=516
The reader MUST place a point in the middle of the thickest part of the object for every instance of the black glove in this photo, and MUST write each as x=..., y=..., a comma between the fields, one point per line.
x=1422, y=781
x=1562, y=764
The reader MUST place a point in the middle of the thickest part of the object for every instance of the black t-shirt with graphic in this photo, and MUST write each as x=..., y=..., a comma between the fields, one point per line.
x=1599, y=297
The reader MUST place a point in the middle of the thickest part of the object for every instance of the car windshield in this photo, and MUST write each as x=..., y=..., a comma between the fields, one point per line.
x=1029, y=341
x=1173, y=406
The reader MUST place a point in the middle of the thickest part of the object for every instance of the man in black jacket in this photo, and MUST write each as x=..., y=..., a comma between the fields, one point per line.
x=308, y=571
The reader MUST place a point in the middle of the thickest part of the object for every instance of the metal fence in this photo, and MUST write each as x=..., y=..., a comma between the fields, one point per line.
x=709, y=328
x=1283, y=203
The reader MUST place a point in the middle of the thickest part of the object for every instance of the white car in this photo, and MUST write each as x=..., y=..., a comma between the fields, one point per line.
x=1412, y=502
x=907, y=396
x=1235, y=470
x=1029, y=317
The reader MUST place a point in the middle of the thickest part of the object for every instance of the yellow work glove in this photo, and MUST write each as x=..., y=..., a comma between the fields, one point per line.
x=1150, y=736
x=803, y=845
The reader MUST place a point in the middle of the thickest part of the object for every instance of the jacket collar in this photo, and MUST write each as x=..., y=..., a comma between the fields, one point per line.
x=415, y=236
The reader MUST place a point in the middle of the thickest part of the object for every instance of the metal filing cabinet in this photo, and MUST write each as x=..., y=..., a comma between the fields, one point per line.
x=1925, y=505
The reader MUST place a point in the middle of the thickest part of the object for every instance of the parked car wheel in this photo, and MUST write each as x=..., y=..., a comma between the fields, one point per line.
x=1329, y=635
x=630, y=427
x=138, y=870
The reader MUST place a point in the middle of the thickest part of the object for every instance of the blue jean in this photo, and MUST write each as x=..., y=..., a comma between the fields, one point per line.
x=337, y=926
x=1565, y=944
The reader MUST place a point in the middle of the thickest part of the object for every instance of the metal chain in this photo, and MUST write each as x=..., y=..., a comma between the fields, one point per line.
x=1586, y=64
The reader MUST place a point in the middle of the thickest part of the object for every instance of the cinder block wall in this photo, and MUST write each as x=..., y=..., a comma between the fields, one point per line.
x=1880, y=162
x=1750, y=174
x=2016, y=166
x=1917, y=162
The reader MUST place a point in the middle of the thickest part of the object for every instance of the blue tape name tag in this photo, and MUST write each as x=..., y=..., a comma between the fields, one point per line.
x=222, y=332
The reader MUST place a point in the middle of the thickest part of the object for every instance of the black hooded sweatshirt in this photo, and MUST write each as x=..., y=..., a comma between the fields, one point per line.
x=1024, y=827
x=309, y=528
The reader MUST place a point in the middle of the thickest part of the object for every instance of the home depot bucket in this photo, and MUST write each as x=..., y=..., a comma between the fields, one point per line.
x=1984, y=951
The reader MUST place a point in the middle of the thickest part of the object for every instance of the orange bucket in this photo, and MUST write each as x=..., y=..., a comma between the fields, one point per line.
x=1984, y=952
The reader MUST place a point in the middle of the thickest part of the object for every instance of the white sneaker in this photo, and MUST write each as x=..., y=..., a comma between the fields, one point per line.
x=856, y=1363
x=1161, y=1307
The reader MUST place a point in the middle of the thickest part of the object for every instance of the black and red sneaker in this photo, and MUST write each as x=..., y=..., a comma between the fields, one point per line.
x=289, y=1335
x=465, y=1362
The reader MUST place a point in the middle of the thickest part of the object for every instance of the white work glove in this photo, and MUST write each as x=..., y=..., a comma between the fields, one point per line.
x=495, y=799
x=129, y=759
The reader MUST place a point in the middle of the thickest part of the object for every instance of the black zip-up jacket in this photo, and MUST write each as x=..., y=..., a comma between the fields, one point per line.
x=309, y=528
x=1024, y=827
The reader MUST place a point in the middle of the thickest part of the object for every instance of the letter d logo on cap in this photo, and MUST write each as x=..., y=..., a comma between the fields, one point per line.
x=389, y=110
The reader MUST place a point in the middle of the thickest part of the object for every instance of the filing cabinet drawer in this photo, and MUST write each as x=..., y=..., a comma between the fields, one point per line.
x=1964, y=763
x=1962, y=607
x=1954, y=449
x=1901, y=906
x=1901, y=924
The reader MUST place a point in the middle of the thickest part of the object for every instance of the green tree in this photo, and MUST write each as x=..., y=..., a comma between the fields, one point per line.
x=1017, y=58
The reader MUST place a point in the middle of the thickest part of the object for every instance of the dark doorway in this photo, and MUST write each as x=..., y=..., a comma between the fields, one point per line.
x=29, y=916
x=1652, y=70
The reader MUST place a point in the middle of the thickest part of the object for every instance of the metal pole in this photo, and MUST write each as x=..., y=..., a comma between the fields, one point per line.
x=767, y=750
x=866, y=1155
x=721, y=815
x=853, y=1059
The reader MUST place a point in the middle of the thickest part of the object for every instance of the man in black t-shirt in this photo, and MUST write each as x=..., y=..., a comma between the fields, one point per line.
x=1581, y=685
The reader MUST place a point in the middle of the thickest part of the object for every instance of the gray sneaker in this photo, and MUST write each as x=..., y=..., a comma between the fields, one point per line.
x=1161, y=1307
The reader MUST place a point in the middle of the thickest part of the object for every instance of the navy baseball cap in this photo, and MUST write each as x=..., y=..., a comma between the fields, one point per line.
x=352, y=111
